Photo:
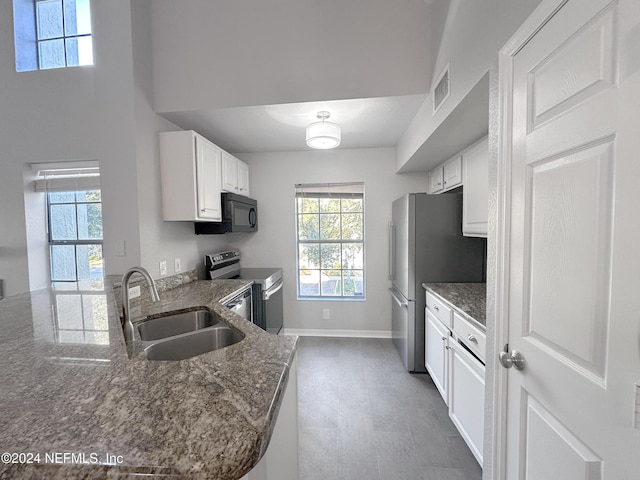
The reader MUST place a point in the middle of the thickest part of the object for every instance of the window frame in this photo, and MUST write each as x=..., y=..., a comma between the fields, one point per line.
x=325, y=191
x=64, y=37
x=75, y=243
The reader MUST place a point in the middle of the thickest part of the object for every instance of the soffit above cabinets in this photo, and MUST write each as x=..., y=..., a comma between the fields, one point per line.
x=467, y=123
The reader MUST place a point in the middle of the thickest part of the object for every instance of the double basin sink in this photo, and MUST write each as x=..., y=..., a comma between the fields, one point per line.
x=181, y=335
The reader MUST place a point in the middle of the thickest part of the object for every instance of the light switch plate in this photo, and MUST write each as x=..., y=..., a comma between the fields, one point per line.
x=177, y=265
x=134, y=292
x=163, y=268
x=326, y=314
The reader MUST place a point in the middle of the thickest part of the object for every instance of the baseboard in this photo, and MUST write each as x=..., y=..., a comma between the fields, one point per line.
x=320, y=332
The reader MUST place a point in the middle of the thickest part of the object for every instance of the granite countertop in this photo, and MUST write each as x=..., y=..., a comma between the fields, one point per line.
x=468, y=299
x=91, y=406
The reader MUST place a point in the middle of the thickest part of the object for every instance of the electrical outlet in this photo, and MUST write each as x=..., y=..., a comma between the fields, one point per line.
x=134, y=292
x=163, y=268
x=326, y=314
x=177, y=265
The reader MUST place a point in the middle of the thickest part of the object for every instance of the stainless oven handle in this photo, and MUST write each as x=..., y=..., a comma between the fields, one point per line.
x=266, y=295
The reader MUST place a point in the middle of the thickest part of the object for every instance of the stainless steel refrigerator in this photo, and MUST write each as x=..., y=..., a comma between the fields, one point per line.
x=426, y=245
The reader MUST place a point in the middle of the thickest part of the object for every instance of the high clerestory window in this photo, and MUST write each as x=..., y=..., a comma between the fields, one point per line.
x=330, y=241
x=52, y=34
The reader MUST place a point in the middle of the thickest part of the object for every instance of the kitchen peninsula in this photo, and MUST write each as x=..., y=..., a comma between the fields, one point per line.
x=84, y=403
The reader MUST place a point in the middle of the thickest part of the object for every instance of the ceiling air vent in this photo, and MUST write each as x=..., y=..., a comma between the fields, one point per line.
x=441, y=90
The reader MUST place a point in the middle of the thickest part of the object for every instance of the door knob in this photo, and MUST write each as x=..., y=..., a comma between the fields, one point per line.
x=513, y=359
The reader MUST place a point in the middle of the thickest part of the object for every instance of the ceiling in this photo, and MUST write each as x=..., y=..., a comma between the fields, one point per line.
x=365, y=123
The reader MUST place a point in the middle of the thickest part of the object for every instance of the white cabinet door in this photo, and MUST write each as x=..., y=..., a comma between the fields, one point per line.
x=435, y=353
x=446, y=176
x=452, y=173
x=475, y=199
x=435, y=180
x=235, y=175
x=229, y=173
x=243, y=179
x=466, y=397
x=190, y=177
x=208, y=158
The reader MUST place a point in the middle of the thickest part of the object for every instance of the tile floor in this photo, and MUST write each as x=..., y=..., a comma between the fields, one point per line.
x=362, y=416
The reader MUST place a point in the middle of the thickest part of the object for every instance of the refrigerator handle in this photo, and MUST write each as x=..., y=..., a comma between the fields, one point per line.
x=392, y=251
x=401, y=303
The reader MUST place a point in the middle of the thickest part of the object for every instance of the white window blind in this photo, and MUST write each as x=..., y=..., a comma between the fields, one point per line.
x=67, y=176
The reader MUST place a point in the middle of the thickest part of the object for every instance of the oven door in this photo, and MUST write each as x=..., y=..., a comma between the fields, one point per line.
x=268, y=309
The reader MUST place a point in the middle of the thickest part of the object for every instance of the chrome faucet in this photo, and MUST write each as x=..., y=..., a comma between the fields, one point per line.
x=125, y=289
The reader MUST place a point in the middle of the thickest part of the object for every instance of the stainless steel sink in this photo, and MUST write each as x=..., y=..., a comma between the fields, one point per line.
x=176, y=324
x=194, y=343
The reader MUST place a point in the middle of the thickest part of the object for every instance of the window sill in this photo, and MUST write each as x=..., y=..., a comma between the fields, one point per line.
x=334, y=299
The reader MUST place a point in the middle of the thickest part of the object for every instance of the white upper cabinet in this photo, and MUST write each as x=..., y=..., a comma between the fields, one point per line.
x=476, y=190
x=435, y=180
x=452, y=173
x=190, y=168
x=446, y=176
x=243, y=178
x=235, y=175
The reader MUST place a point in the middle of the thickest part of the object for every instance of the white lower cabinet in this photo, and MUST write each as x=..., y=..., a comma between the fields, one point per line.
x=457, y=373
x=435, y=353
x=466, y=397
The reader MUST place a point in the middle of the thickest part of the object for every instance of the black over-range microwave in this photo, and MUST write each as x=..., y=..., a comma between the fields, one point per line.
x=239, y=214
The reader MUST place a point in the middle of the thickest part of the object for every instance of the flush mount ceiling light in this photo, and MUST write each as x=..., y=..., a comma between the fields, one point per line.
x=323, y=134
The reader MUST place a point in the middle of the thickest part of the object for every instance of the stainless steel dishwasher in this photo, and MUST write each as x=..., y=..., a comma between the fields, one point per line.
x=242, y=303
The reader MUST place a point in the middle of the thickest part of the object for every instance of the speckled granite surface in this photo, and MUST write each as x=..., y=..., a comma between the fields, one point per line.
x=469, y=299
x=70, y=385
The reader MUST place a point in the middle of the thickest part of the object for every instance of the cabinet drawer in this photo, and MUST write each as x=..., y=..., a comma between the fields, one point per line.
x=439, y=309
x=472, y=337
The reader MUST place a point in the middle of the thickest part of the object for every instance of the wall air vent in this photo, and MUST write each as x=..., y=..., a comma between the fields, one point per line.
x=441, y=90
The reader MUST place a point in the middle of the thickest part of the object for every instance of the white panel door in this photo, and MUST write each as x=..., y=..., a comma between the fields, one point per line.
x=570, y=272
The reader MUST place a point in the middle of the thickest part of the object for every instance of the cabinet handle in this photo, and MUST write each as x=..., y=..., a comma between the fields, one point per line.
x=203, y=210
x=472, y=338
x=439, y=183
x=445, y=182
x=435, y=307
x=444, y=338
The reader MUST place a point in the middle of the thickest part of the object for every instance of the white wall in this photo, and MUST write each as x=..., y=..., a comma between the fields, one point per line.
x=69, y=114
x=159, y=240
x=473, y=34
x=251, y=52
x=97, y=112
x=273, y=176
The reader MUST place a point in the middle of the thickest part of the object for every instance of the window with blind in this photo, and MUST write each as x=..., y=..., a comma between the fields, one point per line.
x=74, y=219
x=330, y=241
